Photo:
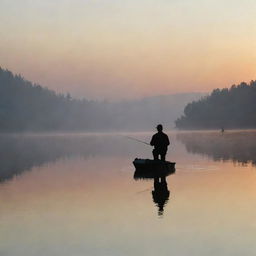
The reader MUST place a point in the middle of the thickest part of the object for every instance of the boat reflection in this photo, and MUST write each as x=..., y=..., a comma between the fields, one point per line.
x=160, y=193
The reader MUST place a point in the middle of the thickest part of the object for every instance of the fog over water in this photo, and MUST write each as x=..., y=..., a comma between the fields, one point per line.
x=74, y=194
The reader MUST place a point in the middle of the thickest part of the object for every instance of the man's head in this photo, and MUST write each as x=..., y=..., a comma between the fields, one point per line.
x=159, y=128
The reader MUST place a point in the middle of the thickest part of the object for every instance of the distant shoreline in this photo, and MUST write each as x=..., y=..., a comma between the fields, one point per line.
x=105, y=133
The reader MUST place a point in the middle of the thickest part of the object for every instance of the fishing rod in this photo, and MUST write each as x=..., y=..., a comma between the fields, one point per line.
x=141, y=141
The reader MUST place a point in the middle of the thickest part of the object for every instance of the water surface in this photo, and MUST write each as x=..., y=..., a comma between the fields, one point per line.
x=74, y=194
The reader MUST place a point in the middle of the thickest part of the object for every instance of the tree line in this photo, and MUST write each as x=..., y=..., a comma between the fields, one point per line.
x=223, y=108
x=25, y=106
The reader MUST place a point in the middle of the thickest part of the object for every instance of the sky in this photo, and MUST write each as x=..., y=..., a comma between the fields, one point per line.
x=113, y=49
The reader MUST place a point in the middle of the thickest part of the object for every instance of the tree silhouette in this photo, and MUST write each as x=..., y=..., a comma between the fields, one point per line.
x=228, y=108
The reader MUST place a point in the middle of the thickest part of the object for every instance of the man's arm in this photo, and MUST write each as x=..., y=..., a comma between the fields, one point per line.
x=152, y=142
x=167, y=140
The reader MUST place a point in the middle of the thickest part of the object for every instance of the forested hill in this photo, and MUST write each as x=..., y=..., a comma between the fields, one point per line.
x=25, y=106
x=226, y=108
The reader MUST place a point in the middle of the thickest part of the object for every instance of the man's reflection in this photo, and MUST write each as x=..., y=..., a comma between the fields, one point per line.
x=160, y=193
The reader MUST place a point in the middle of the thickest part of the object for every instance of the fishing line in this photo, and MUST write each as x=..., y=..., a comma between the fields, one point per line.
x=141, y=141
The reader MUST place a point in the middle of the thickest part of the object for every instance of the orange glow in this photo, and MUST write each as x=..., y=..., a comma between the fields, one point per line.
x=111, y=49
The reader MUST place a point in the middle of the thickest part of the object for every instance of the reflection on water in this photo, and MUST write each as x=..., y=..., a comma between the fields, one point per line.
x=19, y=153
x=238, y=146
x=160, y=194
x=65, y=195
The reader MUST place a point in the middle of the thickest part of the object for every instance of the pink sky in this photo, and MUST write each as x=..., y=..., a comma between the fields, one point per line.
x=112, y=49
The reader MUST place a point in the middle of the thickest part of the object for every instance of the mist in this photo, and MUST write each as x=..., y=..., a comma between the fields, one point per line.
x=31, y=107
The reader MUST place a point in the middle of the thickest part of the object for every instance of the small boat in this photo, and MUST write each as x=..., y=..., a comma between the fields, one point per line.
x=152, y=164
x=149, y=169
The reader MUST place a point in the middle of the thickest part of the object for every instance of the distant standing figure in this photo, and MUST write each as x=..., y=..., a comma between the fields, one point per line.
x=160, y=141
x=222, y=130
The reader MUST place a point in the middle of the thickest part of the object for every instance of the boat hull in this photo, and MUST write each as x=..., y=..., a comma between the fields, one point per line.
x=150, y=169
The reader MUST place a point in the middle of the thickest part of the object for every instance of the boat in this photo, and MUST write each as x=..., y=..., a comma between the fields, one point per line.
x=147, y=164
x=150, y=169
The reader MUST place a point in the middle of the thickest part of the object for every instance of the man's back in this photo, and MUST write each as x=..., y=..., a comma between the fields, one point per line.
x=160, y=140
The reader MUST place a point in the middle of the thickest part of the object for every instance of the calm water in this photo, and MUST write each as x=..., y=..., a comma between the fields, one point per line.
x=73, y=195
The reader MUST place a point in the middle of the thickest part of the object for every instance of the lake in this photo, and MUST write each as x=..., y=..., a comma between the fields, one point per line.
x=75, y=194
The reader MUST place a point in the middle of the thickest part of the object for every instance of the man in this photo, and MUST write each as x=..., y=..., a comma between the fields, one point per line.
x=160, y=141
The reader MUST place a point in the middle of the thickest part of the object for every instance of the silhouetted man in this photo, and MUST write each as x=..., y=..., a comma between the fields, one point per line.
x=160, y=141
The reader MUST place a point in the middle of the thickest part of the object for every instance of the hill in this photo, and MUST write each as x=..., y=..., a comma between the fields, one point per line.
x=25, y=106
x=228, y=108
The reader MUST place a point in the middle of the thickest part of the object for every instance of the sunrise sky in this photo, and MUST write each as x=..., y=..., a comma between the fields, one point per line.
x=114, y=49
